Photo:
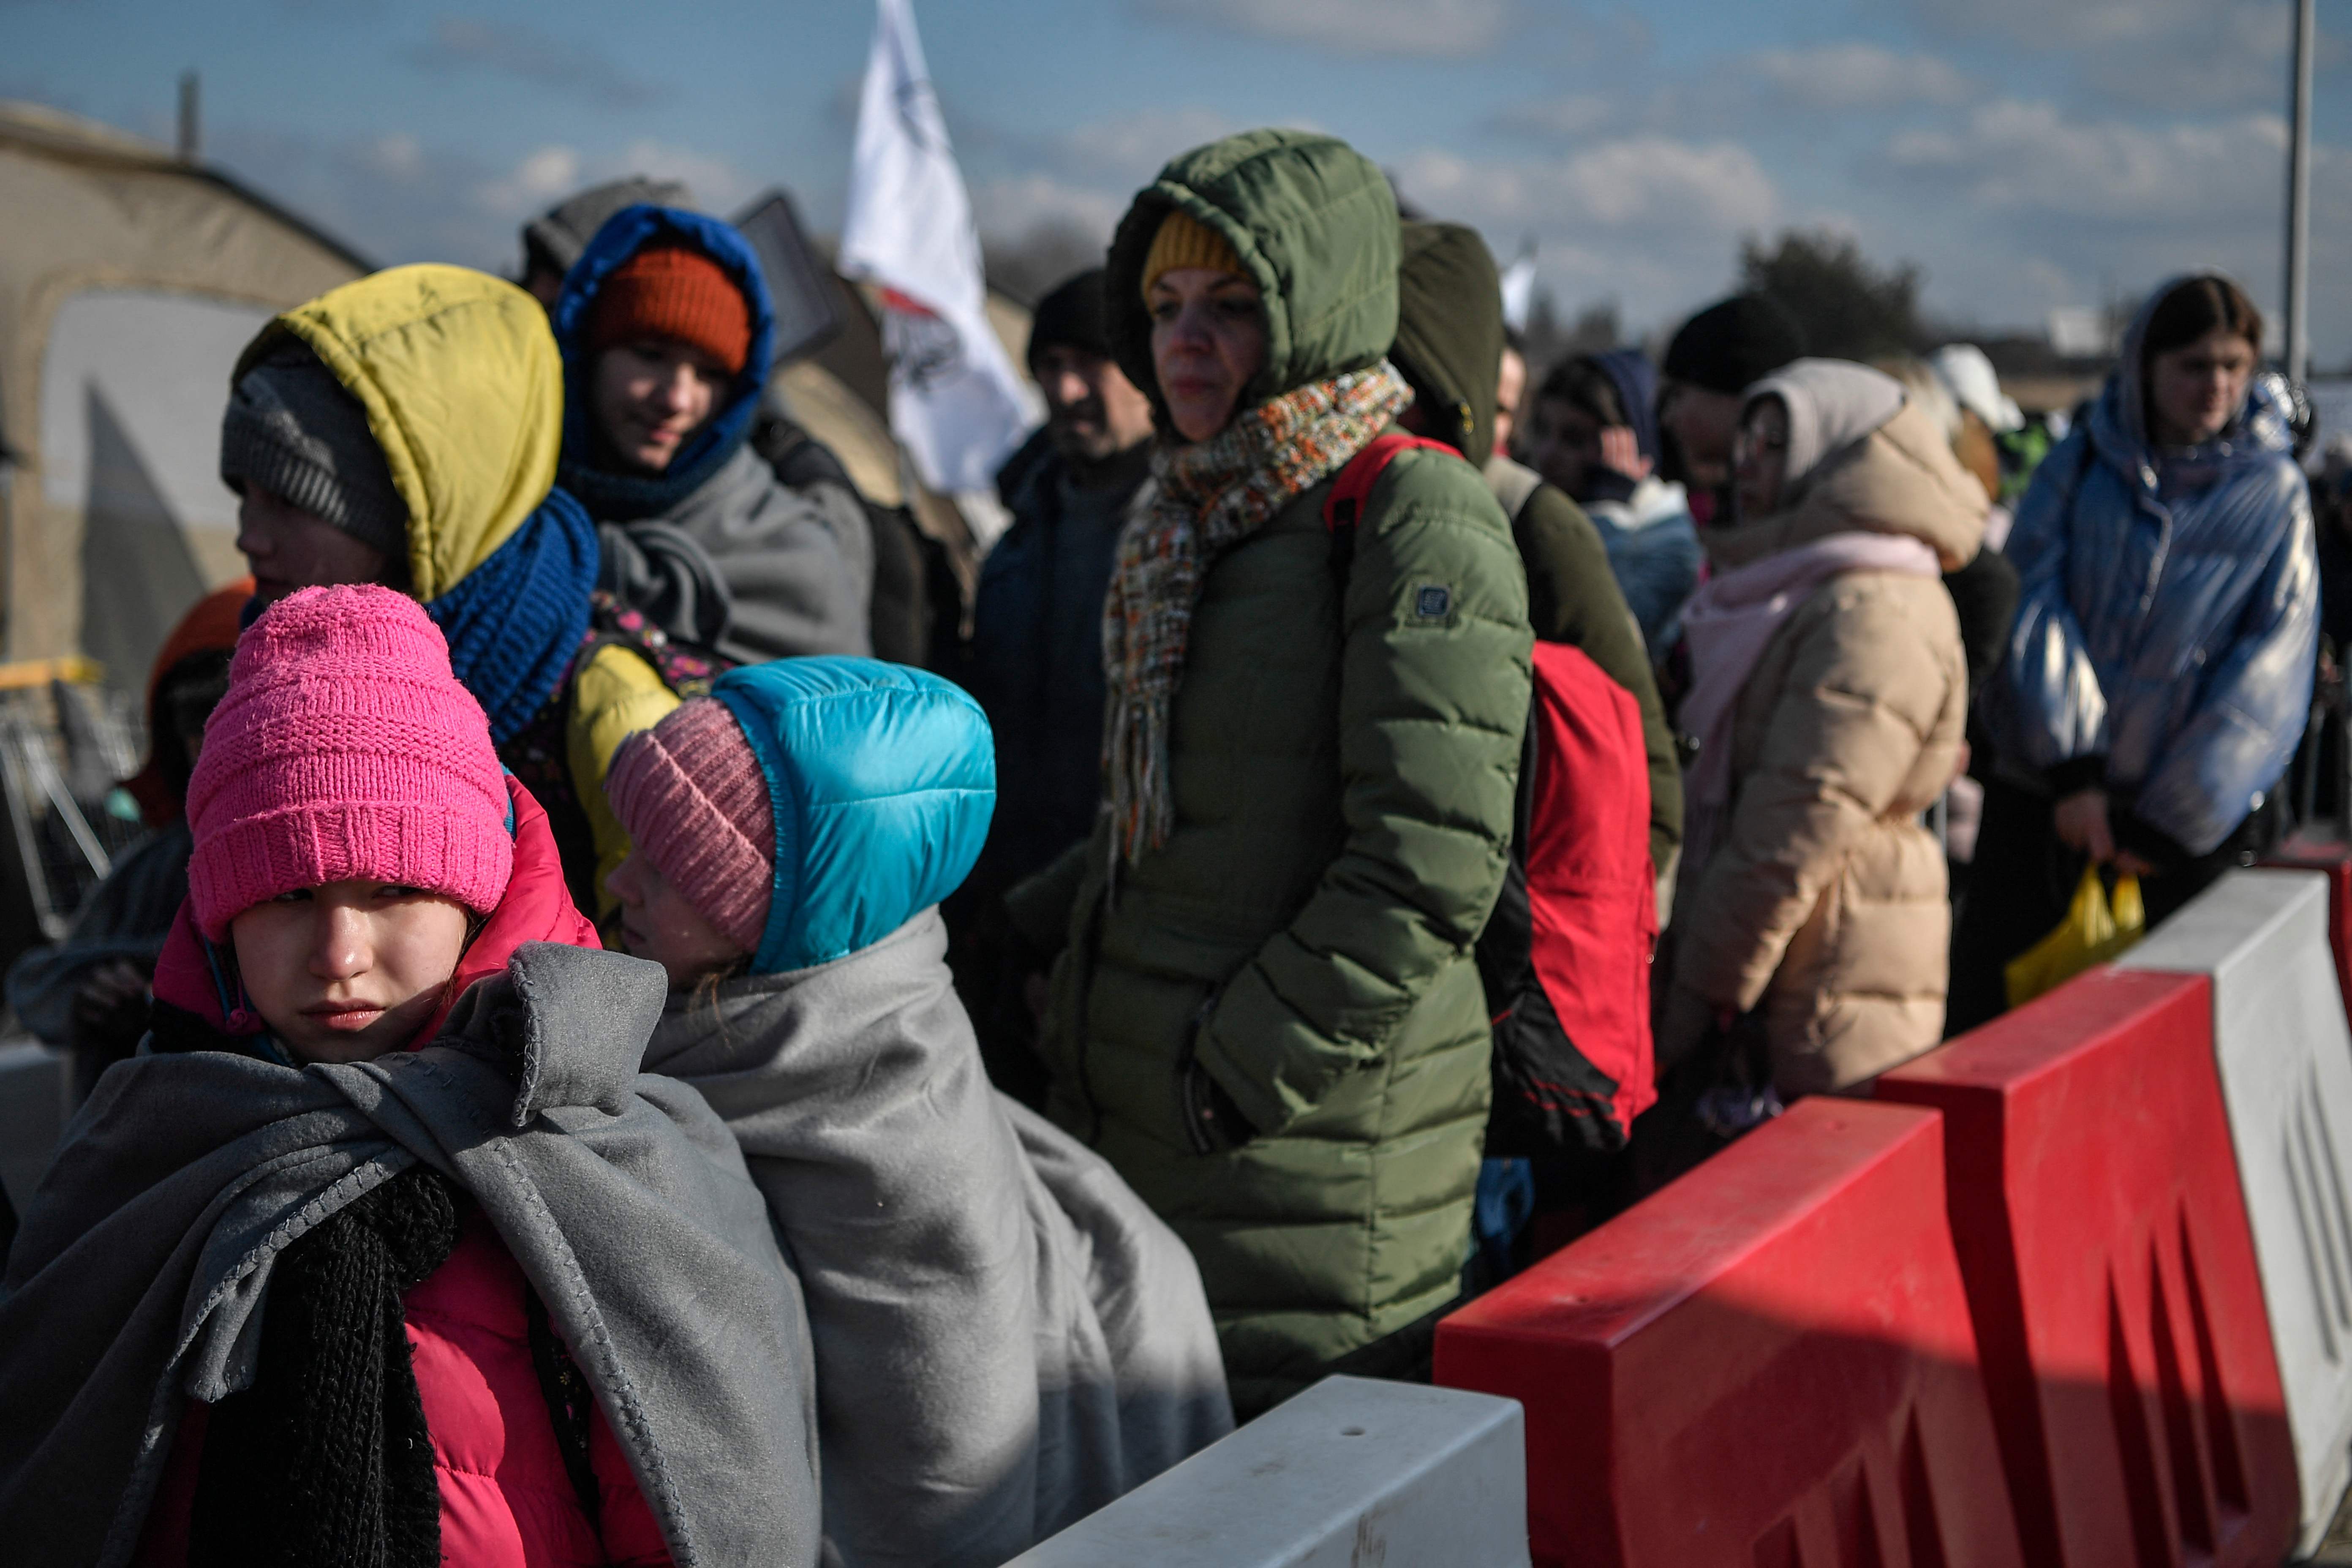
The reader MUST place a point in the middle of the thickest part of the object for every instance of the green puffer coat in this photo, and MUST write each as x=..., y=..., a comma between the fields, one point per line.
x=1342, y=767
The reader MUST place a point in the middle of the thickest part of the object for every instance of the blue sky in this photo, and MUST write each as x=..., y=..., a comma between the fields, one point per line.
x=2025, y=153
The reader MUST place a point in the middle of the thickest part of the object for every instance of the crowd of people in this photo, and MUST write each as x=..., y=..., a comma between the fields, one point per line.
x=591, y=1066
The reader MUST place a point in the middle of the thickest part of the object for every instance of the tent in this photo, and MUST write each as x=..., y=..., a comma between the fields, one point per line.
x=129, y=280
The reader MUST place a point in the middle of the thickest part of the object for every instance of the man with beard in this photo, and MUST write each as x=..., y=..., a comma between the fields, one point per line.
x=1034, y=659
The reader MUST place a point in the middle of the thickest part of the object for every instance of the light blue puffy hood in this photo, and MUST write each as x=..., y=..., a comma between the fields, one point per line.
x=881, y=780
x=2169, y=613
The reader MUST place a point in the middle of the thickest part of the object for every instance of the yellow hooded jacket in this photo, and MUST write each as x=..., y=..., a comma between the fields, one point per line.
x=463, y=388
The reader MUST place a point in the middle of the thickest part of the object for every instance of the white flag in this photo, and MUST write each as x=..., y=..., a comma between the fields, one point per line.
x=956, y=402
x=1519, y=289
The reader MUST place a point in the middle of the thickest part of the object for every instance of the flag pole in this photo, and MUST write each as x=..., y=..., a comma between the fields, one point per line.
x=2298, y=198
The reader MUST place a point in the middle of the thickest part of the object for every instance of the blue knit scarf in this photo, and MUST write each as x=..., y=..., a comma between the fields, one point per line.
x=515, y=621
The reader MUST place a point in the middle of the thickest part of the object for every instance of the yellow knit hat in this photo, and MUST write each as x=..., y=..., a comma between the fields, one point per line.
x=1185, y=241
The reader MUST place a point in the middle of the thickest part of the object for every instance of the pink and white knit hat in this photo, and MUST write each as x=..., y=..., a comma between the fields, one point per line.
x=345, y=748
x=691, y=796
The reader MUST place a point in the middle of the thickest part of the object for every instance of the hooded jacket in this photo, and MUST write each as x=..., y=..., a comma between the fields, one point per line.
x=1645, y=523
x=1449, y=341
x=1006, y=1337
x=139, y=1281
x=463, y=390
x=1342, y=754
x=1825, y=902
x=2167, y=622
x=797, y=564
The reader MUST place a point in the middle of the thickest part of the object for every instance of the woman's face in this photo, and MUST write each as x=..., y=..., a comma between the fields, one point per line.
x=658, y=923
x=1761, y=457
x=1208, y=339
x=346, y=972
x=2194, y=391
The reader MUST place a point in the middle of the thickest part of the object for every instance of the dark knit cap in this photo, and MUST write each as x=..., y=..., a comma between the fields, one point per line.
x=293, y=430
x=1735, y=342
x=1072, y=316
x=555, y=238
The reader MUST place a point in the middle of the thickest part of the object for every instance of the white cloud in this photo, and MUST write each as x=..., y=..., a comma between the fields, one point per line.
x=1566, y=117
x=542, y=176
x=1015, y=206
x=1856, y=76
x=1653, y=184
x=1455, y=29
x=1131, y=149
x=2014, y=156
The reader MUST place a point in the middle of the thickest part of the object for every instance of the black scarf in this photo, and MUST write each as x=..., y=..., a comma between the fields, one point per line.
x=326, y=1460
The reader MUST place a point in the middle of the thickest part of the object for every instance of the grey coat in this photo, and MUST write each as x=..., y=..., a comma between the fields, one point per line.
x=1006, y=1337
x=143, y=1267
x=798, y=564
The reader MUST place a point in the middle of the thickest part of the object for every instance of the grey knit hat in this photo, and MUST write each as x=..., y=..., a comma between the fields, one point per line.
x=292, y=429
x=555, y=238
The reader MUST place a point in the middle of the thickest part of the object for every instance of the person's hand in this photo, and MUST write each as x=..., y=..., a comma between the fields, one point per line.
x=2130, y=865
x=2082, y=823
x=110, y=1006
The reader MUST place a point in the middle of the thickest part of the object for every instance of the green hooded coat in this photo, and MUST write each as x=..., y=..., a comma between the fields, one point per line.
x=1449, y=344
x=1343, y=750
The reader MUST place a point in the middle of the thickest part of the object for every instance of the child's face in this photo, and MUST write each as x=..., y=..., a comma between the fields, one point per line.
x=346, y=972
x=656, y=922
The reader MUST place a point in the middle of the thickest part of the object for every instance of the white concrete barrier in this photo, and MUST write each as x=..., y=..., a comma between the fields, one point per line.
x=32, y=1113
x=1352, y=1472
x=2285, y=1055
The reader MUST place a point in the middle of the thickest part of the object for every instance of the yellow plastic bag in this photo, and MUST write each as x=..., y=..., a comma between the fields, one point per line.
x=2093, y=931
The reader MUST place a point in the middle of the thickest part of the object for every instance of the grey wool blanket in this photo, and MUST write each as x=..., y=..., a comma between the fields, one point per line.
x=1006, y=1338
x=142, y=1271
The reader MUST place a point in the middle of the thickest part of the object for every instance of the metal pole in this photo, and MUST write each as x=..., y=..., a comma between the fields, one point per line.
x=2298, y=198
x=191, y=125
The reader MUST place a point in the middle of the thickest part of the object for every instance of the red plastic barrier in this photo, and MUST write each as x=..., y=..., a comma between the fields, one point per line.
x=2335, y=860
x=1769, y=1364
x=2096, y=1204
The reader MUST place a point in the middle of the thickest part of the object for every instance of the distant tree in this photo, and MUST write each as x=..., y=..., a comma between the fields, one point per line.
x=1850, y=309
x=1029, y=267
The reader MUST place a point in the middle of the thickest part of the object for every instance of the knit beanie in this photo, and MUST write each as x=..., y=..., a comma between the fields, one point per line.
x=691, y=794
x=1185, y=241
x=345, y=748
x=1072, y=317
x=555, y=238
x=292, y=429
x=1735, y=342
x=670, y=292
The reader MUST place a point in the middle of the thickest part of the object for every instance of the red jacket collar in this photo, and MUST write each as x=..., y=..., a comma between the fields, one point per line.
x=194, y=975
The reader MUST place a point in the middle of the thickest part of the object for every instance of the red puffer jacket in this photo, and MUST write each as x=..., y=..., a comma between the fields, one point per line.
x=506, y=1501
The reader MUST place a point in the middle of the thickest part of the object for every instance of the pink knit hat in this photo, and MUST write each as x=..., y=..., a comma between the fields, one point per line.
x=345, y=748
x=691, y=796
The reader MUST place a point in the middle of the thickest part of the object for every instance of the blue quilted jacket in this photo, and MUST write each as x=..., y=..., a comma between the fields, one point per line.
x=2168, y=618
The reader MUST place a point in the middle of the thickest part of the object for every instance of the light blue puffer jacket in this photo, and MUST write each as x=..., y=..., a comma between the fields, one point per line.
x=881, y=778
x=2170, y=611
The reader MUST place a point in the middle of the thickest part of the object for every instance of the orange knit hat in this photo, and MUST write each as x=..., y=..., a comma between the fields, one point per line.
x=669, y=292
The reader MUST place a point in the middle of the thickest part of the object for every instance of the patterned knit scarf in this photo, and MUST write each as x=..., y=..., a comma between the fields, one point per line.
x=1213, y=494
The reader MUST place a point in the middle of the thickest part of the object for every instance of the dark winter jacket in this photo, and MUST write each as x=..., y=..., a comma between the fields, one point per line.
x=1036, y=657
x=797, y=564
x=1342, y=767
x=1449, y=344
x=2170, y=619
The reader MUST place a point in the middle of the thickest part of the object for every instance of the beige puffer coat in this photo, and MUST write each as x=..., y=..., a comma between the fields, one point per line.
x=1826, y=903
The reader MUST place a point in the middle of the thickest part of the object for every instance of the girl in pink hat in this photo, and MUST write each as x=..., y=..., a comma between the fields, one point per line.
x=377, y=1252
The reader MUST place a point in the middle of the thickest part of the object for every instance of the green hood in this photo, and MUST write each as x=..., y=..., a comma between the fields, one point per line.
x=1314, y=223
x=1449, y=336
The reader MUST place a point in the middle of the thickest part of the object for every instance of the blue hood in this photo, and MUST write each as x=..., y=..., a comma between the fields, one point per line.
x=615, y=495
x=2259, y=432
x=881, y=780
x=1636, y=380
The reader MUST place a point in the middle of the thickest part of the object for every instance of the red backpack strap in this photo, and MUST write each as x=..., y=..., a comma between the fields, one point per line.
x=1345, y=505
